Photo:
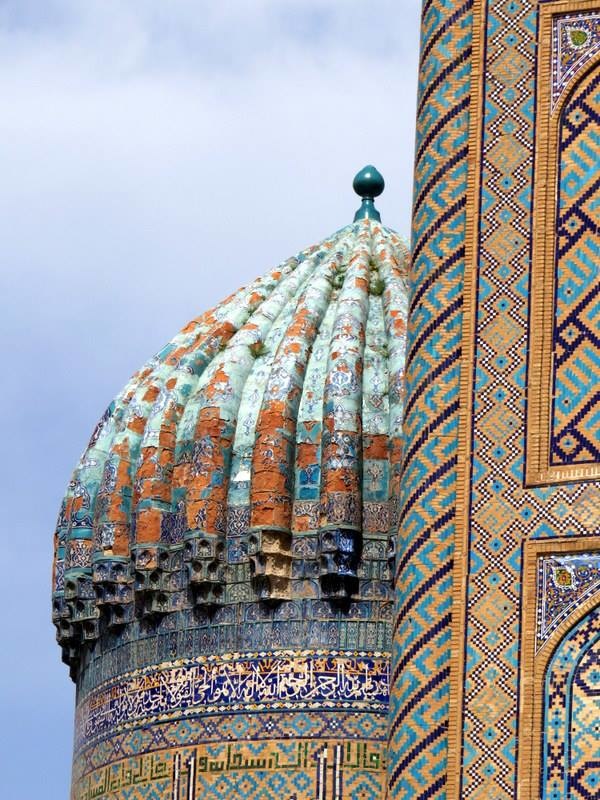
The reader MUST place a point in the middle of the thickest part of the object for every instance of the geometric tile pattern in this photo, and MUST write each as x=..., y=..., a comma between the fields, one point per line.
x=575, y=419
x=563, y=430
x=272, y=756
x=305, y=724
x=249, y=627
x=571, y=746
x=218, y=728
x=420, y=690
x=575, y=40
x=502, y=512
x=583, y=764
x=564, y=582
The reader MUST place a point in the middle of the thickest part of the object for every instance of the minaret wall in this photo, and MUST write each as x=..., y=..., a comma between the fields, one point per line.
x=498, y=565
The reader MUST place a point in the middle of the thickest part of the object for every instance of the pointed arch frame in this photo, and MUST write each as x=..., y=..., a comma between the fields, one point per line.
x=534, y=667
x=538, y=468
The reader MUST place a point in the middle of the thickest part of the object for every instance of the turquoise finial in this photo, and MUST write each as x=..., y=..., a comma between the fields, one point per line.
x=368, y=184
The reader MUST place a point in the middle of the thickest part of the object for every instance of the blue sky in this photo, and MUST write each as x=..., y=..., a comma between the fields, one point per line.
x=155, y=156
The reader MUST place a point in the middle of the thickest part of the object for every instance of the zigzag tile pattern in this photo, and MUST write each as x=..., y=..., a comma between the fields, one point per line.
x=421, y=646
x=495, y=531
x=575, y=425
x=217, y=728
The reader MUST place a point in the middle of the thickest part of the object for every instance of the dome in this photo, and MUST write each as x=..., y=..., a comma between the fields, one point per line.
x=254, y=460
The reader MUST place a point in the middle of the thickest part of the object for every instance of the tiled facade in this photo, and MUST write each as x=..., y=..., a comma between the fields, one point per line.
x=570, y=765
x=485, y=368
x=575, y=421
x=420, y=697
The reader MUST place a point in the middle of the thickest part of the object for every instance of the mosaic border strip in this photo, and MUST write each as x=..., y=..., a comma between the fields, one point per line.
x=272, y=770
x=538, y=468
x=218, y=728
x=466, y=390
x=235, y=682
x=250, y=628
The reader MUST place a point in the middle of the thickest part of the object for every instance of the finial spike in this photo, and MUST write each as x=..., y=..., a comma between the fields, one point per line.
x=368, y=184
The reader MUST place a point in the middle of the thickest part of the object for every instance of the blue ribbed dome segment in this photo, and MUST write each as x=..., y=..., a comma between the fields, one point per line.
x=254, y=459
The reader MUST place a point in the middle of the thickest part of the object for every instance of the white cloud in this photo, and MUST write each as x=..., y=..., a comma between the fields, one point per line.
x=153, y=35
x=133, y=153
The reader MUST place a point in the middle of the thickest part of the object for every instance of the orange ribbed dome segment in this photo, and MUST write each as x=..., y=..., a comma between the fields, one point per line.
x=255, y=457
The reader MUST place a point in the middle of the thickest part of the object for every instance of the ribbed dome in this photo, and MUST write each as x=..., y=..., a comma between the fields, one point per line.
x=255, y=457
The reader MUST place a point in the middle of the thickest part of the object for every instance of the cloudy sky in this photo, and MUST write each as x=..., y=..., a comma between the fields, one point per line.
x=155, y=155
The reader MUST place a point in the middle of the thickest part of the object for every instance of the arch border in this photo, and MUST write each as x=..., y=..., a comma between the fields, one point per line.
x=533, y=667
x=538, y=471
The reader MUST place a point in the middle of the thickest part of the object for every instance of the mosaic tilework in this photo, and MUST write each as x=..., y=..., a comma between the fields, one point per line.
x=268, y=725
x=255, y=458
x=559, y=583
x=575, y=425
x=333, y=769
x=562, y=428
x=564, y=582
x=501, y=512
x=571, y=746
x=235, y=681
x=297, y=625
x=575, y=40
x=297, y=725
x=421, y=649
